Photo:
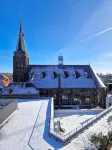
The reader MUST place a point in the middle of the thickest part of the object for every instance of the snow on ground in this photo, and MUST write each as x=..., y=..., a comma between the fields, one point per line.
x=28, y=128
x=71, y=119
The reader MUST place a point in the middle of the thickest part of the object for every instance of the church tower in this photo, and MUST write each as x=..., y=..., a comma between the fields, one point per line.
x=20, y=59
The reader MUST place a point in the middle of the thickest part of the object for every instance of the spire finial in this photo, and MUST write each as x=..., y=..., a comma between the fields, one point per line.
x=20, y=21
x=20, y=16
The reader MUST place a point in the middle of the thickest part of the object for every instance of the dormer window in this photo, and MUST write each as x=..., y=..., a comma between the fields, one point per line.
x=54, y=75
x=86, y=75
x=65, y=74
x=32, y=75
x=76, y=74
x=43, y=74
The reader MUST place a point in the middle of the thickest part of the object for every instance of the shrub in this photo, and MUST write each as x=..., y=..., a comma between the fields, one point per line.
x=100, y=141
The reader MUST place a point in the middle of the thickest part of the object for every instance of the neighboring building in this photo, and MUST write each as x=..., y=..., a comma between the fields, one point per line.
x=109, y=87
x=106, y=78
x=109, y=100
x=4, y=81
x=20, y=88
x=68, y=84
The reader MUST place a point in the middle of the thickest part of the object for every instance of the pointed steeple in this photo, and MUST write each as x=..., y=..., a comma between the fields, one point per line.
x=21, y=43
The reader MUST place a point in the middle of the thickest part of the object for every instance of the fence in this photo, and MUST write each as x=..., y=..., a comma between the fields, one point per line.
x=69, y=136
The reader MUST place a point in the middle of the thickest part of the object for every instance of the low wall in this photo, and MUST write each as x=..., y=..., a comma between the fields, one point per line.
x=14, y=96
x=52, y=114
x=69, y=136
x=7, y=110
x=87, y=111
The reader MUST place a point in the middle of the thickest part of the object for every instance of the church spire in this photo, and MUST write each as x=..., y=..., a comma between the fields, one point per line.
x=21, y=44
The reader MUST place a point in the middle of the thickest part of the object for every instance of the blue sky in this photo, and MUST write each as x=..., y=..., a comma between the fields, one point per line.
x=80, y=29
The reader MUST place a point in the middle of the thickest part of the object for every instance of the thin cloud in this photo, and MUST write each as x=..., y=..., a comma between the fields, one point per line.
x=102, y=32
x=64, y=49
x=107, y=55
x=86, y=39
x=5, y=57
x=103, y=62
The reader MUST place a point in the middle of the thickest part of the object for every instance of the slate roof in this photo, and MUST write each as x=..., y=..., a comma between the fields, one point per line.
x=48, y=81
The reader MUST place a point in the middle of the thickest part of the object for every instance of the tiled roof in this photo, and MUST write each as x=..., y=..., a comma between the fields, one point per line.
x=6, y=82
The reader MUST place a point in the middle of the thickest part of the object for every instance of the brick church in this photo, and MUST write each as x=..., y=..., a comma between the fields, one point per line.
x=70, y=85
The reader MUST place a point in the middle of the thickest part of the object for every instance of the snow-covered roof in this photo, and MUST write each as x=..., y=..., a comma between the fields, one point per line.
x=85, y=78
x=98, y=81
x=28, y=129
x=20, y=88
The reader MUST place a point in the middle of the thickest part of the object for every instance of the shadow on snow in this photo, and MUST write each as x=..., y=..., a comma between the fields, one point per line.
x=55, y=144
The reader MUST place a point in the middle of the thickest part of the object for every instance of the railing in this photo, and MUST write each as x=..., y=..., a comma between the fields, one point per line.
x=69, y=136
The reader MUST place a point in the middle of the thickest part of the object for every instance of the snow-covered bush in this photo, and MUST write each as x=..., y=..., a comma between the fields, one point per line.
x=102, y=142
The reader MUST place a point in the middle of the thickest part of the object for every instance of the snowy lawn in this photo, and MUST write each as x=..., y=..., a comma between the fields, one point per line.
x=71, y=119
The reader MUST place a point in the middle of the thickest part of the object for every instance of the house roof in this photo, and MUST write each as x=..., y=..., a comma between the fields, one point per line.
x=6, y=82
x=86, y=76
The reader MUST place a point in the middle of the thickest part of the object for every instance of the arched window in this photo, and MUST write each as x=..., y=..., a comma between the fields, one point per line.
x=88, y=100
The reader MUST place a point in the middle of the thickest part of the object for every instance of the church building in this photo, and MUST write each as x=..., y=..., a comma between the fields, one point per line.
x=70, y=85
